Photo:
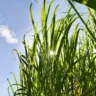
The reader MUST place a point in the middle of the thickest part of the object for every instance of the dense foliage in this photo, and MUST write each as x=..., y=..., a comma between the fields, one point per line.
x=62, y=60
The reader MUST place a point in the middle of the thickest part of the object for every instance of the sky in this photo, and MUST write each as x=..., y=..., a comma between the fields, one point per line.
x=14, y=23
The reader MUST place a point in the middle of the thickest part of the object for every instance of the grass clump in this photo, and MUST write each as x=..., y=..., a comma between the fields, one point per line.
x=58, y=63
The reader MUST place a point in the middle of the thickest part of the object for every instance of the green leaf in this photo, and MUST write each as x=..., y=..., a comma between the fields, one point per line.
x=52, y=29
x=89, y=3
x=10, y=86
x=43, y=13
x=32, y=19
x=15, y=79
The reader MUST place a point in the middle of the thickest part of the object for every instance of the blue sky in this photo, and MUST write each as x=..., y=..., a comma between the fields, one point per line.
x=14, y=23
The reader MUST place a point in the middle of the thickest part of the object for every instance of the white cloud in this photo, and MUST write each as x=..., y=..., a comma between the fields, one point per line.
x=8, y=34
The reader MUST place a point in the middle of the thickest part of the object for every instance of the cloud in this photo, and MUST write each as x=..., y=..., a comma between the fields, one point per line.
x=8, y=34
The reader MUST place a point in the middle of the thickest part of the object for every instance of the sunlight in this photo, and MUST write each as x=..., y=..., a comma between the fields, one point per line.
x=51, y=52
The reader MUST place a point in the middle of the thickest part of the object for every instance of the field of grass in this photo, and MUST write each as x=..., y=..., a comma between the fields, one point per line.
x=58, y=63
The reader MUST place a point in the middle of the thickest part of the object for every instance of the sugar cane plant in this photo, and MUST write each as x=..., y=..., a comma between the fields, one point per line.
x=58, y=63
